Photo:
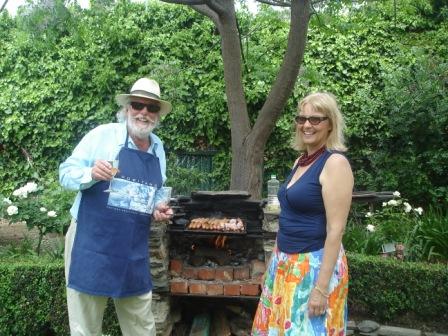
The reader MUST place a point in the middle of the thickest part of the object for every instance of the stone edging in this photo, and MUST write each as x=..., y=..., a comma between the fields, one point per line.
x=372, y=328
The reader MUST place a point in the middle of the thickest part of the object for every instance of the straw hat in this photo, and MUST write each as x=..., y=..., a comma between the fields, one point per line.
x=145, y=88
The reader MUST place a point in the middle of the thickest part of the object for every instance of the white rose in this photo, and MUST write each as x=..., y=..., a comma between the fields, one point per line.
x=407, y=207
x=393, y=202
x=396, y=194
x=21, y=192
x=17, y=192
x=30, y=187
x=7, y=201
x=12, y=210
x=51, y=213
x=370, y=228
x=384, y=204
x=418, y=210
x=369, y=214
x=42, y=209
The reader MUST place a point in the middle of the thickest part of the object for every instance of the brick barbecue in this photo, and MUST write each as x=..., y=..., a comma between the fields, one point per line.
x=217, y=257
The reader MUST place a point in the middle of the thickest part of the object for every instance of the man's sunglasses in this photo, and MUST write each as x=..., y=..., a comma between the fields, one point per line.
x=151, y=107
x=314, y=120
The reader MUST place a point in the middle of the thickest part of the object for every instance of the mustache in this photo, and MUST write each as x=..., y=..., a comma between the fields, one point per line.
x=145, y=119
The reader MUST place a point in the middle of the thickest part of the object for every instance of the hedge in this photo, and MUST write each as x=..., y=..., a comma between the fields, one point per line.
x=391, y=290
x=33, y=300
x=32, y=294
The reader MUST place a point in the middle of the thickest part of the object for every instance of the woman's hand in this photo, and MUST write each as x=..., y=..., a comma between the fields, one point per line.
x=317, y=303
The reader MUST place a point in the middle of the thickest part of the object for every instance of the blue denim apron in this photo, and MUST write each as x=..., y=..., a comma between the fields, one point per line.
x=110, y=250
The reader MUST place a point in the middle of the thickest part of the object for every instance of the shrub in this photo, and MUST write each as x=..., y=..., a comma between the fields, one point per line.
x=33, y=299
x=423, y=235
x=32, y=293
x=45, y=207
x=389, y=289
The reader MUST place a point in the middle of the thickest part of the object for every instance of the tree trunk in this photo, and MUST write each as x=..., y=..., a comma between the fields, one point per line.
x=247, y=167
x=249, y=142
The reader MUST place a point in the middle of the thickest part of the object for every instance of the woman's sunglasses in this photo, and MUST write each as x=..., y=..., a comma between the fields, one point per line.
x=314, y=120
x=151, y=107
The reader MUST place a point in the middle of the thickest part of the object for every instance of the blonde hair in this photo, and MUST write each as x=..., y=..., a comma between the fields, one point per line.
x=325, y=103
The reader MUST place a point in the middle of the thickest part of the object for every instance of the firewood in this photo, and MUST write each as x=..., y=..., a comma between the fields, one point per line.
x=220, y=324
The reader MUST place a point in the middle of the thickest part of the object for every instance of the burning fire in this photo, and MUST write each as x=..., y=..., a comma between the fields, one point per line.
x=220, y=241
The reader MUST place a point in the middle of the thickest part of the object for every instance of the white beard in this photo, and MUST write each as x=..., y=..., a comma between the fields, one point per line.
x=140, y=132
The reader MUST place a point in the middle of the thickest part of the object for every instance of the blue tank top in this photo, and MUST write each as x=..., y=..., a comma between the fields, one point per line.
x=302, y=220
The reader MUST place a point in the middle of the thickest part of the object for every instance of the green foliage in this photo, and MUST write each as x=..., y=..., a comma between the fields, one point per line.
x=32, y=292
x=388, y=289
x=424, y=234
x=21, y=249
x=431, y=235
x=185, y=174
x=383, y=60
x=45, y=21
x=411, y=132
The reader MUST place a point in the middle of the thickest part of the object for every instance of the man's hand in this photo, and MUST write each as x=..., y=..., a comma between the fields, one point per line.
x=102, y=171
x=162, y=212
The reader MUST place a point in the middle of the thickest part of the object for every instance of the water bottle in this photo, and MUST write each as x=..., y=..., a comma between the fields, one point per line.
x=273, y=186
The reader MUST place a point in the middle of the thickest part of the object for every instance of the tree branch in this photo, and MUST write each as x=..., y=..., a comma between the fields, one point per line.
x=207, y=8
x=282, y=3
x=287, y=75
x=3, y=6
x=216, y=6
x=186, y=2
x=276, y=3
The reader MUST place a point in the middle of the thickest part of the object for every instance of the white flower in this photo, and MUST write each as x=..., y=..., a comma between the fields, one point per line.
x=30, y=187
x=393, y=202
x=7, y=201
x=407, y=207
x=369, y=214
x=418, y=210
x=370, y=228
x=21, y=192
x=42, y=209
x=396, y=194
x=384, y=204
x=51, y=213
x=12, y=210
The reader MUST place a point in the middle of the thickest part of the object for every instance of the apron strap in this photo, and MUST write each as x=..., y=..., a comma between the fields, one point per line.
x=126, y=144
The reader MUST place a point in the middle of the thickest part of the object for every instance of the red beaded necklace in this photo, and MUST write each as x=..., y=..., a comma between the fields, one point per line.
x=305, y=159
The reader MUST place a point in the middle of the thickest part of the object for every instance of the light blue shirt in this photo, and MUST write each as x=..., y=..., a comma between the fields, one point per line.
x=102, y=143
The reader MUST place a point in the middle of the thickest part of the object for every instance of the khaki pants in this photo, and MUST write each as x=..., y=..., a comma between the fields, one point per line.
x=86, y=311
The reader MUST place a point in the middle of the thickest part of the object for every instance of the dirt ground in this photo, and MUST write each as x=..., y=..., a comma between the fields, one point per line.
x=14, y=233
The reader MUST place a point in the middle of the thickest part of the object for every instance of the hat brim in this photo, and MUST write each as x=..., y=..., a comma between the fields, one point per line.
x=124, y=99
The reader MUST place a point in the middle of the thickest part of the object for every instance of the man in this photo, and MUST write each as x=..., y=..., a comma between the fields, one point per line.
x=106, y=252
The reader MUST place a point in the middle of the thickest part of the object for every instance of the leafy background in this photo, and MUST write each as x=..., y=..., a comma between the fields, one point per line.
x=61, y=68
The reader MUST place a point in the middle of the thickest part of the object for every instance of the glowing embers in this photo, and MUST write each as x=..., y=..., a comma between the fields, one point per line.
x=220, y=241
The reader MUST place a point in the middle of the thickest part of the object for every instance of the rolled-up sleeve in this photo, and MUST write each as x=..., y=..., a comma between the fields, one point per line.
x=75, y=173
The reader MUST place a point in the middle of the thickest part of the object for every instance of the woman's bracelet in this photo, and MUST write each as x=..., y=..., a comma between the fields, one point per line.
x=321, y=291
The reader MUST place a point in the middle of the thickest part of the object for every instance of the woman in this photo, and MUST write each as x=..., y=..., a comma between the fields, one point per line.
x=306, y=283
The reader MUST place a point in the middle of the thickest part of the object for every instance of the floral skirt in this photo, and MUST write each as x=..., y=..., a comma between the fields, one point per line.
x=283, y=306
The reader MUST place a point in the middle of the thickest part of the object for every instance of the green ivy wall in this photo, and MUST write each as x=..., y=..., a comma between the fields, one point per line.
x=387, y=65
